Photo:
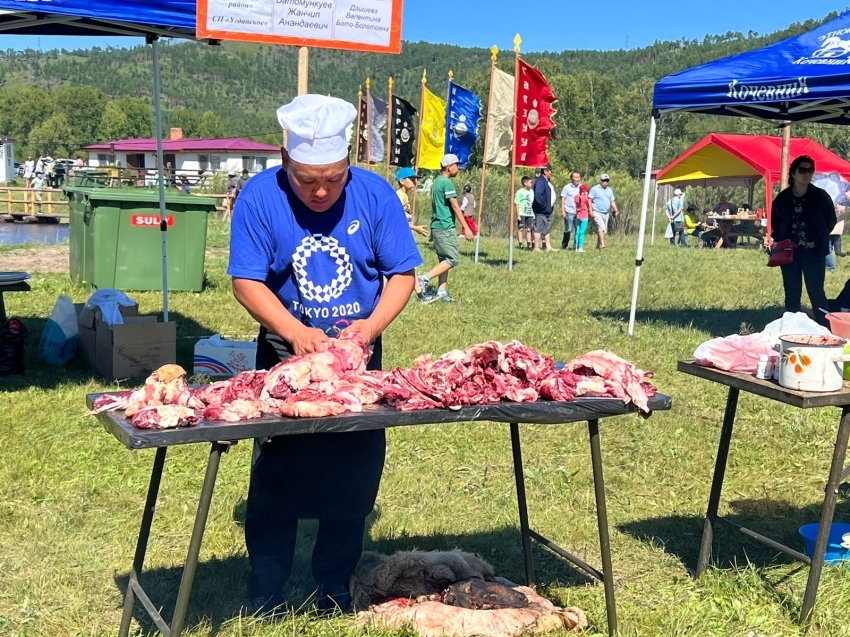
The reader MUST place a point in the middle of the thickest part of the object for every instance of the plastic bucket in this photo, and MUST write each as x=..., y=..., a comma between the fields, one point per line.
x=834, y=551
x=839, y=323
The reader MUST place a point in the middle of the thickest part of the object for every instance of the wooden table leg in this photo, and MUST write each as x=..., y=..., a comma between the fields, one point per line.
x=826, y=515
x=717, y=481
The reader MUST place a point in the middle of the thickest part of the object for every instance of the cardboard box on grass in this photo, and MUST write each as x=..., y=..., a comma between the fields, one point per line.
x=215, y=356
x=136, y=348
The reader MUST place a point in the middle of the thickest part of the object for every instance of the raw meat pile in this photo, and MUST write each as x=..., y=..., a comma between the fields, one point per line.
x=336, y=380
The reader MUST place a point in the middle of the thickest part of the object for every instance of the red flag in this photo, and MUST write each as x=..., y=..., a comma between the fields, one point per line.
x=534, y=114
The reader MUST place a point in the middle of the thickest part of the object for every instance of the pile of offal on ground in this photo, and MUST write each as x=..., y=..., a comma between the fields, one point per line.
x=336, y=380
x=438, y=593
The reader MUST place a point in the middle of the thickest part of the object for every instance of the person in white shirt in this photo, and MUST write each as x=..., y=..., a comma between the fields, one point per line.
x=37, y=185
x=568, y=206
x=29, y=170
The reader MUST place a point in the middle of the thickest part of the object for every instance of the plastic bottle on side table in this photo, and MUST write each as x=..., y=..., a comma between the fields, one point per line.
x=764, y=370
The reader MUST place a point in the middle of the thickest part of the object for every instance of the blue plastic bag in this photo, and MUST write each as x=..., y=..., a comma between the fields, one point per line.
x=59, y=340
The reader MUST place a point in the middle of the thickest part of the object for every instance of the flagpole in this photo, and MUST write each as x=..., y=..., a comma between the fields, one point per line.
x=390, y=126
x=357, y=133
x=448, y=111
x=517, y=42
x=368, y=123
x=494, y=52
x=419, y=142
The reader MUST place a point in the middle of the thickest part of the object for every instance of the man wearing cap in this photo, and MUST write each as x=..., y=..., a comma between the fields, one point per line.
x=602, y=201
x=676, y=216
x=543, y=205
x=319, y=249
x=445, y=211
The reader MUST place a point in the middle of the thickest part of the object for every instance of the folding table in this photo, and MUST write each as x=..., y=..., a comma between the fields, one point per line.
x=219, y=435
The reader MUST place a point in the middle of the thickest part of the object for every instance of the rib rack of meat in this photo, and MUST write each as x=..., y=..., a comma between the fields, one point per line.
x=334, y=381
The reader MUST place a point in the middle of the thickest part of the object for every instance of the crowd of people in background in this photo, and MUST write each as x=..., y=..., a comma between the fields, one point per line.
x=534, y=205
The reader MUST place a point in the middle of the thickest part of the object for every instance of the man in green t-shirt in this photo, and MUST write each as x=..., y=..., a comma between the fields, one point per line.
x=445, y=212
x=525, y=215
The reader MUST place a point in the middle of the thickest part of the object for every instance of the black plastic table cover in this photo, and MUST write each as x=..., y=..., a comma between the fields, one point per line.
x=372, y=417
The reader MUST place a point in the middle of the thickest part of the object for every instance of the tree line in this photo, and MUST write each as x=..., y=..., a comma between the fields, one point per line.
x=58, y=101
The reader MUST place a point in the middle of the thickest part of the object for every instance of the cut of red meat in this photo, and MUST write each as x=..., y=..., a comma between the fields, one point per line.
x=110, y=402
x=335, y=380
x=165, y=417
x=622, y=378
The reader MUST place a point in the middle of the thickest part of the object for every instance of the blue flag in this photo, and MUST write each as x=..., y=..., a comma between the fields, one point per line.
x=463, y=113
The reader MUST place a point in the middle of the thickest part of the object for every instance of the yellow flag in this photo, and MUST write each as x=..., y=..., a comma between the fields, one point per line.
x=432, y=131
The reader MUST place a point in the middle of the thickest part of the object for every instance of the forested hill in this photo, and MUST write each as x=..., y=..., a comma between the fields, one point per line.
x=235, y=88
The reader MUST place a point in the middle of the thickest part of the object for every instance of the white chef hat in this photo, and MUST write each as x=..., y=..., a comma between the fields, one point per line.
x=318, y=127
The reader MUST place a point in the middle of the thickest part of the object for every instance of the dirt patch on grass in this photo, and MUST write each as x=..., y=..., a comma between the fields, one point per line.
x=54, y=259
x=44, y=259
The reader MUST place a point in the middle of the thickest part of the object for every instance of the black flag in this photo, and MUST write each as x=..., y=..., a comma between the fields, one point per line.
x=379, y=121
x=403, y=134
x=361, y=133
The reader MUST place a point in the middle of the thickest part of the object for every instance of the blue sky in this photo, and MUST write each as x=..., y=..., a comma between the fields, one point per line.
x=554, y=25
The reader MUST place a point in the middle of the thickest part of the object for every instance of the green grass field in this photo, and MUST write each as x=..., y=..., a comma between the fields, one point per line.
x=71, y=496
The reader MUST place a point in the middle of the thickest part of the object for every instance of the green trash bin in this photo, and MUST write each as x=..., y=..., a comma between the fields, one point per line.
x=115, y=239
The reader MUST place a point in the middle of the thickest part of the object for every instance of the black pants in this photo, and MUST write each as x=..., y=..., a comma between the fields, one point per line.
x=835, y=244
x=331, y=477
x=810, y=266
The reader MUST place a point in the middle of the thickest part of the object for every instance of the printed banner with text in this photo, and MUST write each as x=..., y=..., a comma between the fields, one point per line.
x=462, y=117
x=403, y=134
x=534, y=114
x=352, y=25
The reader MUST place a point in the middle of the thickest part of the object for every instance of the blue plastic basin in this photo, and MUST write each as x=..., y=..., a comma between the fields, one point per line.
x=834, y=551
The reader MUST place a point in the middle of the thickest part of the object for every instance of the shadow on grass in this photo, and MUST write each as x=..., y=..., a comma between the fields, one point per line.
x=715, y=321
x=680, y=535
x=40, y=374
x=219, y=590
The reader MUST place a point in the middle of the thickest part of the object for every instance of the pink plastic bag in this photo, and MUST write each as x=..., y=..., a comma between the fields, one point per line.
x=734, y=353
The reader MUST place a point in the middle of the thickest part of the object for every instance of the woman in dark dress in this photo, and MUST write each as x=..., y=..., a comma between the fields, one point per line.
x=805, y=214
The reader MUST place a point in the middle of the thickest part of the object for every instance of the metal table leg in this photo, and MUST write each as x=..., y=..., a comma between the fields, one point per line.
x=142, y=543
x=216, y=449
x=524, y=528
x=826, y=514
x=602, y=522
x=717, y=481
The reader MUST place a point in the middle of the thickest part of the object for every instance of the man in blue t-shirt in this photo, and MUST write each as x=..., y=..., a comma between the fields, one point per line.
x=312, y=243
x=602, y=201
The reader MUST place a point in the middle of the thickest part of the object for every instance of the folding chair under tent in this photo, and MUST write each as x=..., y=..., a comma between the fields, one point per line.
x=804, y=78
x=149, y=19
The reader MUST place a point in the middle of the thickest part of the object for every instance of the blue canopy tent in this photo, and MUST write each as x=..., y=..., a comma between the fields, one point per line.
x=805, y=78
x=150, y=19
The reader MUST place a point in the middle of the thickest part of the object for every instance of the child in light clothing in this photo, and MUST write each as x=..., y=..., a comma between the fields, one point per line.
x=37, y=186
x=582, y=215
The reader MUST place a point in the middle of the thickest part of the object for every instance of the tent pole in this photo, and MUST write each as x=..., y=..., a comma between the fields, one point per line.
x=654, y=210
x=163, y=219
x=786, y=148
x=642, y=231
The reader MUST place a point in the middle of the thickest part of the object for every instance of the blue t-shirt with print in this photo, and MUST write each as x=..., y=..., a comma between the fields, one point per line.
x=327, y=268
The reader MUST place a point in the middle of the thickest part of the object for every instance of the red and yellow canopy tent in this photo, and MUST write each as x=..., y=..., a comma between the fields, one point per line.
x=741, y=160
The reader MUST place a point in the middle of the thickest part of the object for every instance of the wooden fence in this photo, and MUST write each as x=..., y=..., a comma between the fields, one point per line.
x=24, y=201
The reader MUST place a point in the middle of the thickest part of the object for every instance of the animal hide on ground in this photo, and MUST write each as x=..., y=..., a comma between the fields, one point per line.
x=412, y=574
x=435, y=619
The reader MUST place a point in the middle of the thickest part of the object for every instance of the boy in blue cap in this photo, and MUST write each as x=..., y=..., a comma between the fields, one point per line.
x=406, y=178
